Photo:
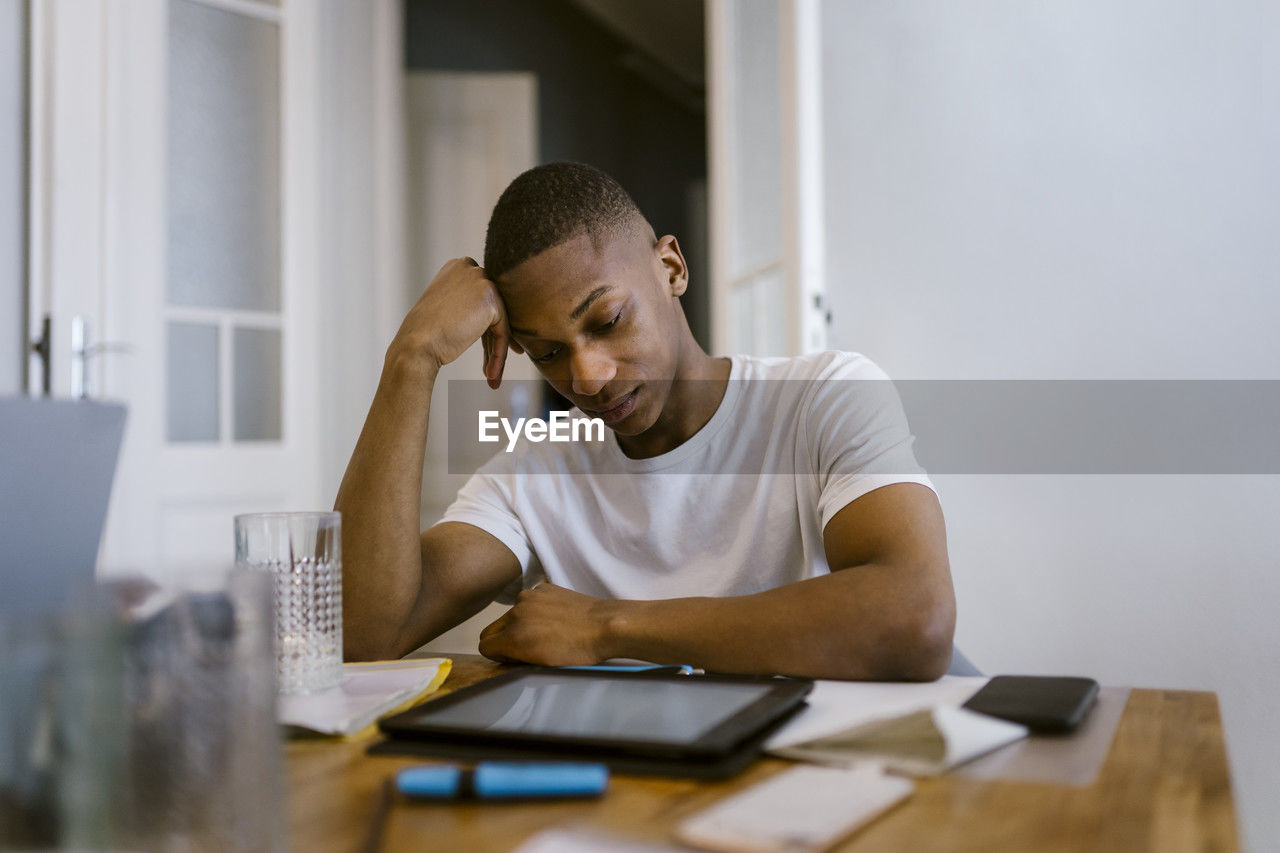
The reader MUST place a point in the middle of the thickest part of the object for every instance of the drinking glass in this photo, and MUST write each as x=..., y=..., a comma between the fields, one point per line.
x=303, y=552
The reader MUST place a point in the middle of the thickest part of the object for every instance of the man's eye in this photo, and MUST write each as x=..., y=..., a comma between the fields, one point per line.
x=609, y=325
x=543, y=359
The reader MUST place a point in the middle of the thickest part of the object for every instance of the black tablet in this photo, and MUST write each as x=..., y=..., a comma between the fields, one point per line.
x=653, y=714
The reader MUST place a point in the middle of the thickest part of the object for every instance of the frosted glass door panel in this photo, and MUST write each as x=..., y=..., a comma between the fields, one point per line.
x=192, y=399
x=758, y=311
x=256, y=384
x=771, y=313
x=744, y=318
x=224, y=159
x=755, y=236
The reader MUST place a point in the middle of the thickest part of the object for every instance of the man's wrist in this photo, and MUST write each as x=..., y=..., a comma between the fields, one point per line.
x=616, y=625
x=410, y=362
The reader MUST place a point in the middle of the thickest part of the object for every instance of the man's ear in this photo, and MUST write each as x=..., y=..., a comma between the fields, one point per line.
x=673, y=265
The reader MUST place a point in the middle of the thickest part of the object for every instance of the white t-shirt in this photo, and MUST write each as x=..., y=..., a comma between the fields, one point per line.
x=738, y=508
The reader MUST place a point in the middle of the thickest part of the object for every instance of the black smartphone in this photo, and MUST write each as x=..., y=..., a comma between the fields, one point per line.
x=1042, y=703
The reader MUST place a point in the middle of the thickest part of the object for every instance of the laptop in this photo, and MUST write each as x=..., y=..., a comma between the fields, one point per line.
x=57, y=461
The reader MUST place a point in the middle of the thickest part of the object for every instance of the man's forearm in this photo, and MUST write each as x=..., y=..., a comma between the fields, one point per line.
x=853, y=624
x=379, y=499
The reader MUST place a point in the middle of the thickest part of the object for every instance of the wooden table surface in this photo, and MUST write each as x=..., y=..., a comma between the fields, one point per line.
x=1164, y=787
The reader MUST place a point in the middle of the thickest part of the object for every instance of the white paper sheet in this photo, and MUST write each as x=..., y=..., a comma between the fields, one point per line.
x=922, y=743
x=969, y=734
x=367, y=691
x=838, y=705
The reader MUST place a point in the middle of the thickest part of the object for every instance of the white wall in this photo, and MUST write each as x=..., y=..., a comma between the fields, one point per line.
x=1078, y=190
x=12, y=188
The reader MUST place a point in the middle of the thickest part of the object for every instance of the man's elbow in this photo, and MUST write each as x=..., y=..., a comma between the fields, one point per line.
x=931, y=648
x=367, y=645
x=353, y=652
x=917, y=648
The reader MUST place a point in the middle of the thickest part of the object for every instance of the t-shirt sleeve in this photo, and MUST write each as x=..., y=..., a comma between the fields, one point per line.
x=487, y=501
x=858, y=435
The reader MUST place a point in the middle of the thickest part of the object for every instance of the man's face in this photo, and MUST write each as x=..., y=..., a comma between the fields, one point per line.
x=602, y=322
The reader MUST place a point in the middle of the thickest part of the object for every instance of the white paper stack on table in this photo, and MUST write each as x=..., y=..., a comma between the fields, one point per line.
x=922, y=743
x=368, y=692
x=910, y=728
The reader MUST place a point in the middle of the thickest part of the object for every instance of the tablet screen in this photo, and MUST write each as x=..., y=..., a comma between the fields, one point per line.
x=673, y=711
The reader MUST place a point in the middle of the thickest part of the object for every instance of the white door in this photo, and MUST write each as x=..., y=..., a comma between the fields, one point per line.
x=175, y=188
x=765, y=177
x=470, y=134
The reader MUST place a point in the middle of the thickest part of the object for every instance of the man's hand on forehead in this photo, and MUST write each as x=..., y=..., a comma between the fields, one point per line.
x=459, y=306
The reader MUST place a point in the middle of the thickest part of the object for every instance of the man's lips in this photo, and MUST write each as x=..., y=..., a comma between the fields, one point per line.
x=615, y=410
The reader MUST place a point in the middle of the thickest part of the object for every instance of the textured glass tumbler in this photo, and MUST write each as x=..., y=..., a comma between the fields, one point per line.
x=303, y=551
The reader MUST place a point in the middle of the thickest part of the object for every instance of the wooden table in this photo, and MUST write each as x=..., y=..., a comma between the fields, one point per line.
x=1164, y=787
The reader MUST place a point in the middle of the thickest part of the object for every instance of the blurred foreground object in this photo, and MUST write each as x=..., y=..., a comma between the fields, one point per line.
x=143, y=719
x=56, y=469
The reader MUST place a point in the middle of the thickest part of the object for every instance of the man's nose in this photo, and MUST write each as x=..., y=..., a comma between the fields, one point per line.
x=592, y=369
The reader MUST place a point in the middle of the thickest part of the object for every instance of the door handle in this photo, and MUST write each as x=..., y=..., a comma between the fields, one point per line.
x=82, y=351
x=43, y=348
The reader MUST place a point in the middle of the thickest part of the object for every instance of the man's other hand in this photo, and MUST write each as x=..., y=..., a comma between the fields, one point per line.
x=548, y=626
x=459, y=306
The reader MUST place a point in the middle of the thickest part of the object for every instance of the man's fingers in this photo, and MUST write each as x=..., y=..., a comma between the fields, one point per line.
x=496, y=625
x=487, y=340
x=491, y=647
x=496, y=341
x=492, y=653
x=498, y=356
x=495, y=644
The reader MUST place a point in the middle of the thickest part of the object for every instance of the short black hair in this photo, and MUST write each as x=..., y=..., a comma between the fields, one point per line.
x=548, y=205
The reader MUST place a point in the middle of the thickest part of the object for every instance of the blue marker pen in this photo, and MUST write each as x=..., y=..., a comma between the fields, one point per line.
x=505, y=781
x=656, y=669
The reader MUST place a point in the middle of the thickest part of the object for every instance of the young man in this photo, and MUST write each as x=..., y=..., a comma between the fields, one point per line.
x=744, y=515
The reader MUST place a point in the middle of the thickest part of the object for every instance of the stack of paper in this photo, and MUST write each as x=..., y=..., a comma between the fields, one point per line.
x=835, y=706
x=368, y=691
x=924, y=742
